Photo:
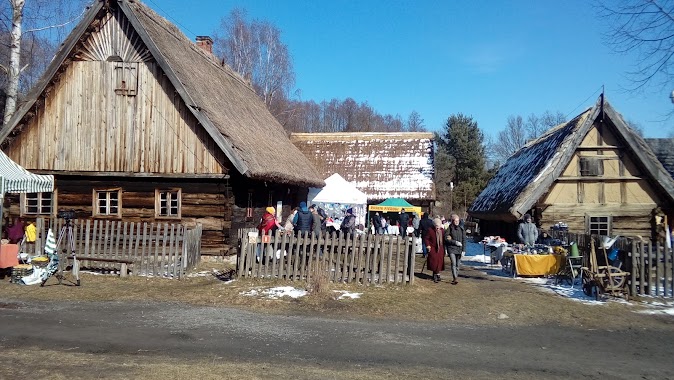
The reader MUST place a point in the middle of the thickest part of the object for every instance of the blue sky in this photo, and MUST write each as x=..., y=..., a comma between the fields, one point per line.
x=486, y=59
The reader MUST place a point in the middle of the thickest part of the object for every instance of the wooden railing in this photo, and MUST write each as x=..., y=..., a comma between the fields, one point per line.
x=155, y=249
x=367, y=259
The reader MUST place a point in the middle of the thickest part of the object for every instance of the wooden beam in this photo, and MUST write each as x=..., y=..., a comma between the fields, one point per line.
x=599, y=147
x=598, y=179
x=132, y=174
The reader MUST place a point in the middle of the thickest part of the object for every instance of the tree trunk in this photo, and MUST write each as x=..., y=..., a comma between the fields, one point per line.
x=14, y=60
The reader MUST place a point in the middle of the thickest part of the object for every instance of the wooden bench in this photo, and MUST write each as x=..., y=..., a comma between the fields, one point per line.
x=123, y=270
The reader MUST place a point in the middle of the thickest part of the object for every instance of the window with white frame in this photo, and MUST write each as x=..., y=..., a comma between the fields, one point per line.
x=37, y=203
x=107, y=202
x=599, y=225
x=167, y=203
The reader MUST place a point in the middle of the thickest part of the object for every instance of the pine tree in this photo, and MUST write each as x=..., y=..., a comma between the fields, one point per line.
x=462, y=141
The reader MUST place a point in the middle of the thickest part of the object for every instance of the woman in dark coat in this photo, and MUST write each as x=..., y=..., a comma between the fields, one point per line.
x=433, y=240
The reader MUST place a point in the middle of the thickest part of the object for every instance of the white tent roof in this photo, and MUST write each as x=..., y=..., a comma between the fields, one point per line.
x=337, y=190
x=16, y=179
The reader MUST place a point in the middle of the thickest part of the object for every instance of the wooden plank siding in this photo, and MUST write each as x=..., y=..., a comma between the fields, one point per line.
x=87, y=127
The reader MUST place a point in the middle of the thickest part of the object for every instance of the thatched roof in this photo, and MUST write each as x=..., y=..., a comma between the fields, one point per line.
x=381, y=165
x=225, y=105
x=664, y=151
x=530, y=172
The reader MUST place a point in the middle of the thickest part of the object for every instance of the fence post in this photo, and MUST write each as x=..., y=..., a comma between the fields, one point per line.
x=633, y=283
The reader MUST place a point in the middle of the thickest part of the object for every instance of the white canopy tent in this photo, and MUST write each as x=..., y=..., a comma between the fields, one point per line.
x=15, y=179
x=337, y=196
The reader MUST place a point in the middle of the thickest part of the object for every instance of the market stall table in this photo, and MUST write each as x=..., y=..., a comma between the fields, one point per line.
x=537, y=265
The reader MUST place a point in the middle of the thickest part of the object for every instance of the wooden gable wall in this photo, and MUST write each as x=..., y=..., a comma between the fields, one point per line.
x=623, y=190
x=86, y=124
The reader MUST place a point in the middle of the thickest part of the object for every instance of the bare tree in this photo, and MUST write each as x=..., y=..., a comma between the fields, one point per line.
x=415, y=123
x=509, y=140
x=255, y=50
x=646, y=28
x=19, y=18
x=635, y=127
x=236, y=46
x=550, y=120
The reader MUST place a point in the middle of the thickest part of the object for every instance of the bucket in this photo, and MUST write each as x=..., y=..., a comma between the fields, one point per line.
x=574, y=250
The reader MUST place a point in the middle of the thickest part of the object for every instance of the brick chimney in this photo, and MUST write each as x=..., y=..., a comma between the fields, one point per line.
x=206, y=43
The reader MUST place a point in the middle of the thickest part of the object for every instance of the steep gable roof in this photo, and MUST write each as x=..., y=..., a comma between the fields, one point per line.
x=530, y=172
x=664, y=151
x=226, y=107
x=380, y=164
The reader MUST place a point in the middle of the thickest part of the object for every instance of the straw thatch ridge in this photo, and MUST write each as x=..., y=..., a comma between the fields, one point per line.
x=223, y=103
x=530, y=172
x=664, y=151
x=380, y=164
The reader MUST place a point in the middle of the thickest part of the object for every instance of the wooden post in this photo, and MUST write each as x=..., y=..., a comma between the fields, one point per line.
x=657, y=269
x=411, y=264
x=368, y=254
x=390, y=257
x=642, y=277
x=633, y=276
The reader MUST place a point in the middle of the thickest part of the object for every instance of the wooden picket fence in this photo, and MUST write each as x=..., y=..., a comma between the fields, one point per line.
x=154, y=249
x=651, y=266
x=359, y=258
x=652, y=270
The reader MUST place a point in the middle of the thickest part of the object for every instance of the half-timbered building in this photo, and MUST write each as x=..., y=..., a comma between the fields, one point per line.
x=136, y=122
x=592, y=173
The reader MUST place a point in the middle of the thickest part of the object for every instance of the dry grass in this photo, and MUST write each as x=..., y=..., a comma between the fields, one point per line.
x=477, y=300
x=63, y=365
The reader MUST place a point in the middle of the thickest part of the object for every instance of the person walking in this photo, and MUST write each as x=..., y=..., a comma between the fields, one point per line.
x=424, y=225
x=455, y=240
x=415, y=224
x=303, y=219
x=436, y=249
x=376, y=222
x=288, y=225
x=404, y=220
x=348, y=225
x=316, y=221
x=527, y=231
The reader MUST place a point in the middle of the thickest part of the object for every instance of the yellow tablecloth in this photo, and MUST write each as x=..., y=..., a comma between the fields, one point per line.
x=537, y=265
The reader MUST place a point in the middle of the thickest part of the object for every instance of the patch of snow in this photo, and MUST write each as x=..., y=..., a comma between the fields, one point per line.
x=346, y=294
x=277, y=292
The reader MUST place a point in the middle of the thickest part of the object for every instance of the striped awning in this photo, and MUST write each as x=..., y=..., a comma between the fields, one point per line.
x=16, y=179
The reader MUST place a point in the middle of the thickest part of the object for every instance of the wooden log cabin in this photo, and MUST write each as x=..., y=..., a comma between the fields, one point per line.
x=593, y=173
x=138, y=123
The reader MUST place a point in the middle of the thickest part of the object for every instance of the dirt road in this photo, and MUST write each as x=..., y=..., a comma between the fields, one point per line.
x=178, y=332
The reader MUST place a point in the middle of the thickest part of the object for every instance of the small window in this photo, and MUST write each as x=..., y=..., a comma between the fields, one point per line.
x=126, y=78
x=591, y=167
x=599, y=225
x=167, y=203
x=108, y=202
x=37, y=204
